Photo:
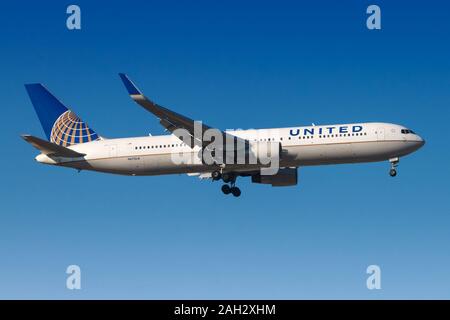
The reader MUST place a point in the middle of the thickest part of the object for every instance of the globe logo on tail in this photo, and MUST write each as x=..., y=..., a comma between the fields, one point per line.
x=69, y=129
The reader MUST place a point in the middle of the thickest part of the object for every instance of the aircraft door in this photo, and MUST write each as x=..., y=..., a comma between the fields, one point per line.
x=380, y=133
x=113, y=150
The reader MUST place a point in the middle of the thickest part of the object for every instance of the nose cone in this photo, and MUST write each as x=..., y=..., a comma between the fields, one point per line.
x=420, y=142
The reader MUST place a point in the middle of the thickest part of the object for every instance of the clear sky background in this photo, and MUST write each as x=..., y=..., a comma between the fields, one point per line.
x=232, y=64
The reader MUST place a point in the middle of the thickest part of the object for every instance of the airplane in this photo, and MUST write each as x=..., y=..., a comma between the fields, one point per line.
x=72, y=143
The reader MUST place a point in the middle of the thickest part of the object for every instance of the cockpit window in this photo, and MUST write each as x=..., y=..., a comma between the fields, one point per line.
x=407, y=131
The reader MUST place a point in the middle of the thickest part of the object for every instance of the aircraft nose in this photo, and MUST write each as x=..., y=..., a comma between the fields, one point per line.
x=421, y=142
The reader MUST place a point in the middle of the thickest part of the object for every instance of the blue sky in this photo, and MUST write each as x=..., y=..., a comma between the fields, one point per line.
x=233, y=65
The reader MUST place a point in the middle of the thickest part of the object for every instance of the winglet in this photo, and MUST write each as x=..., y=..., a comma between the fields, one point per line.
x=131, y=87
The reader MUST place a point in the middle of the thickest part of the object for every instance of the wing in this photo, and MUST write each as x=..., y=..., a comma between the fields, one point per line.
x=173, y=121
x=51, y=149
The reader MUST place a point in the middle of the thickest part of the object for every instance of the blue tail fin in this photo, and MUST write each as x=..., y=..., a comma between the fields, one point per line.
x=61, y=125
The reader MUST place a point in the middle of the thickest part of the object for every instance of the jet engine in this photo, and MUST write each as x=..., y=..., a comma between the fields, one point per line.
x=284, y=177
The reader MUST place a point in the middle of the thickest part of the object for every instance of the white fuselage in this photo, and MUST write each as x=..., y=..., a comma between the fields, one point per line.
x=301, y=146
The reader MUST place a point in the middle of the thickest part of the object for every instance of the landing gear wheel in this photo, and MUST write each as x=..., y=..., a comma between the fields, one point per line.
x=226, y=189
x=236, y=191
x=216, y=175
x=394, y=164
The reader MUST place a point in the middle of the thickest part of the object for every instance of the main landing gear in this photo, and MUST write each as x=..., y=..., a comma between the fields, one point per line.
x=235, y=191
x=230, y=181
x=394, y=163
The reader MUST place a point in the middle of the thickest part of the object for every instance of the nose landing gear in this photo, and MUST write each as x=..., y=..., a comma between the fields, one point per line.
x=392, y=172
x=394, y=163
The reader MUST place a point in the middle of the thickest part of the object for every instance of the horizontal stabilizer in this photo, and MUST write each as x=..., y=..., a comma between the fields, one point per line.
x=51, y=149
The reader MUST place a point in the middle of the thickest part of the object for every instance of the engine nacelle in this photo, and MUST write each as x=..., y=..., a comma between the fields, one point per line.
x=284, y=177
